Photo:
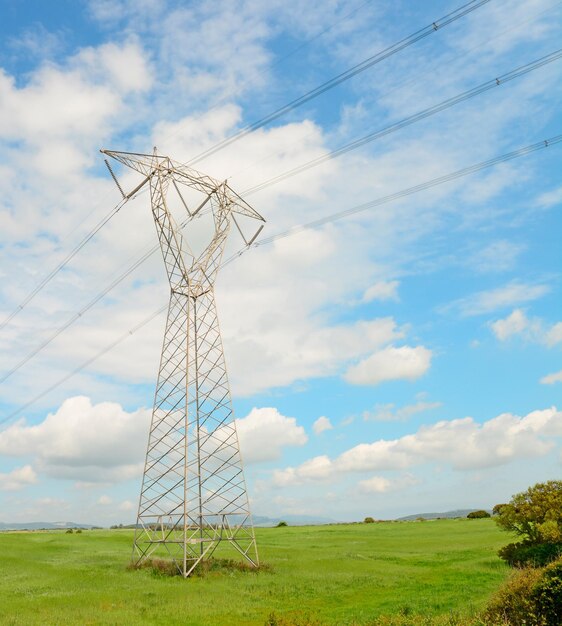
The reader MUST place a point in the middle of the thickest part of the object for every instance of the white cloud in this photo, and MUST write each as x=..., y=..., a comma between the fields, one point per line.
x=380, y=484
x=554, y=335
x=498, y=256
x=321, y=424
x=550, y=379
x=104, y=443
x=500, y=298
x=317, y=468
x=18, y=478
x=404, y=363
x=105, y=500
x=382, y=290
x=389, y=413
x=550, y=198
x=534, y=329
x=513, y=324
x=461, y=443
x=82, y=441
x=264, y=432
x=127, y=505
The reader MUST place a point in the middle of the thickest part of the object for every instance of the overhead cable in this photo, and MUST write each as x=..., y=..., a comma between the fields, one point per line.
x=412, y=119
x=438, y=24
x=337, y=80
x=471, y=169
x=521, y=71
x=64, y=262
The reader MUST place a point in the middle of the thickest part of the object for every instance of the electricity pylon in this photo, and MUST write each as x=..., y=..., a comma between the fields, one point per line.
x=193, y=494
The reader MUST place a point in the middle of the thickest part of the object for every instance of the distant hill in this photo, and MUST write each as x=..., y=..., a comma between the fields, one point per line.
x=446, y=515
x=42, y=525
x=292, y=520
x=259, y=521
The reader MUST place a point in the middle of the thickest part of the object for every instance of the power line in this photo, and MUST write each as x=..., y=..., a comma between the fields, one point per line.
x=353, y=71
x=63, y=263
x=344, y=76
x=279, y=61
x=521, y=71
x=471, y=169
x=104, y=221
x=421, y=115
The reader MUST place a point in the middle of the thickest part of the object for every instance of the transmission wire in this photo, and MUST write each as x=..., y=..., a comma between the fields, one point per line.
x=63, y=263
x=337, y=80
x=355, y=144
x=471, y=169
x=421, y=115
x=340, y=78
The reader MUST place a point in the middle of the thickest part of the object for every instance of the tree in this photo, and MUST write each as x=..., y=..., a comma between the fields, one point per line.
x=497, y=509
x=369, y=520
x=478, y=514
x=535, y=514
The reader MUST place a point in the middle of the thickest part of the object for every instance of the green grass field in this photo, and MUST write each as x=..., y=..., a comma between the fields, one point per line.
x=341, y=574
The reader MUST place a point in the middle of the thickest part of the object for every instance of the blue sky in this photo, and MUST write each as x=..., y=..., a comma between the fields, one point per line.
x=404, y=359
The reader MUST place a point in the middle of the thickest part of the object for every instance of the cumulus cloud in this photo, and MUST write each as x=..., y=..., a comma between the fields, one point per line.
x=264, y=432
x=513, y=324
x=18, y=478
x=104, y=443
x=550, y=379
x=531, y=329
x=321, y=424
x=404, y=363
x=382, y=290
x=554, y=335
x=503, y=297
x=381, y=484
x=464, y=444
x=390, y=413
x=498, y=256
x=82, y=441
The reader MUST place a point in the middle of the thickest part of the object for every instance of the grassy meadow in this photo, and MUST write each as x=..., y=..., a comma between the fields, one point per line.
x=340, y=574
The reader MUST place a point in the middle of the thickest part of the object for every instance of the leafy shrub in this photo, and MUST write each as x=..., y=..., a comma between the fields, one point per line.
x=526, y=553
x=78, y=530
x=531, y=596
x=69, y=531
x=369, y=520
x=478, y=514
x=535, y=514
x=281, y=524
x=547, y=594
x=512, y=603
x=497, y=509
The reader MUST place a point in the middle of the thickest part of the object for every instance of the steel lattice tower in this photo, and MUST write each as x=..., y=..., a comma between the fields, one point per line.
x=193, y=494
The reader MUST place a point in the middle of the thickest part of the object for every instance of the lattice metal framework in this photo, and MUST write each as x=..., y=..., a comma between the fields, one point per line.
x=193, y=494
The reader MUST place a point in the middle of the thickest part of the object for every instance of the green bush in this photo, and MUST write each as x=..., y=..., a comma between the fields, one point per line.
x=497, y=509
x=369, y=520
x=535, y=514
x=478, y=514
x=531, y=596
x=69, y=531
x=526, y=553
x=547, y=594
x=281, y=524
